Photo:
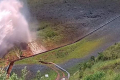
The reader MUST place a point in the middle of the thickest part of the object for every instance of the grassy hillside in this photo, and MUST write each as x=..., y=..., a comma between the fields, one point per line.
x=105, y=67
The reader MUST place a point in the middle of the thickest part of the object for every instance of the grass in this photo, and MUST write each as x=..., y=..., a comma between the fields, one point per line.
x=100, y=68
x=49, y=35
x=2, y=63
x=52, y=76
x=61, y=55
x=53, y=34
x=74, y=69
x=107, y=68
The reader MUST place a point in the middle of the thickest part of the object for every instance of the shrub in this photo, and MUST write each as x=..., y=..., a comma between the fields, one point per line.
x=24, y=73
x=38, y=76
x=92, y=58
x=50, y=34
x=61, y=54
x=95, y=76
x=100, y=57
x=14, y=77
x=117, y=77
x=3, y=75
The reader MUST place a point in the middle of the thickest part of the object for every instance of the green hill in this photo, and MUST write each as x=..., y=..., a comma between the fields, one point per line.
x=105, y=67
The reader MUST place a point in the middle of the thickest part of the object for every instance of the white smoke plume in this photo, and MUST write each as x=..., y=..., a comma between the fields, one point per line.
x=13, y=25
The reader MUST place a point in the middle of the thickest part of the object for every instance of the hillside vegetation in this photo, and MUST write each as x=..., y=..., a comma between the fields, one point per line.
x=61, y=55
x=105, y=67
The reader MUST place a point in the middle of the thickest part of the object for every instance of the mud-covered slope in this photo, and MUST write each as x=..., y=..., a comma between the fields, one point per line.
x=67, y=10
x=75, y=17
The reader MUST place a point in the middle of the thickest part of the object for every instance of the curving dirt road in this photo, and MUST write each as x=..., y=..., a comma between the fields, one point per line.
x=60, y=71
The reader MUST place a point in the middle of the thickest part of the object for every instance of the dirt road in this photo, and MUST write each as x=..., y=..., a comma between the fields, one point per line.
x=59, y=70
